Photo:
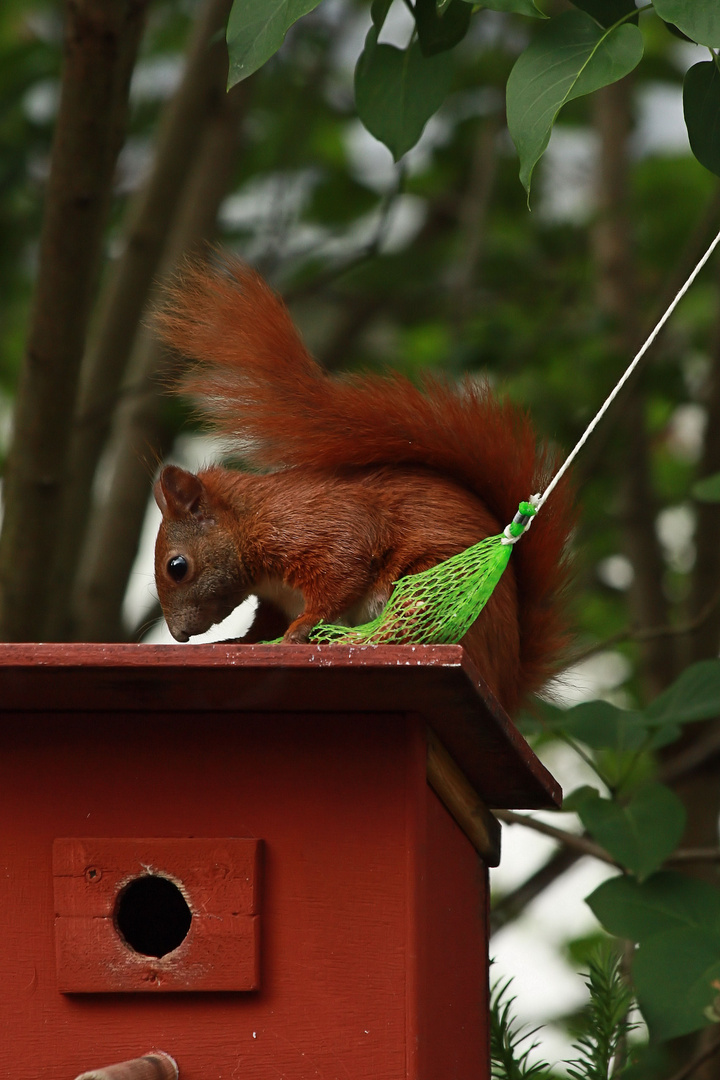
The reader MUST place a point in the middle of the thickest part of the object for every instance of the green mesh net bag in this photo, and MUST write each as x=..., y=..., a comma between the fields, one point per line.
x=439, y=605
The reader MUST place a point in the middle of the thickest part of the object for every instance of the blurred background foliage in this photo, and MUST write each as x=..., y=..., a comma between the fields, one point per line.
x=435, y=263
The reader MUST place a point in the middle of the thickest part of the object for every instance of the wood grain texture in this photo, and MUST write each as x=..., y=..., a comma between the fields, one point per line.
x=455, y=999
x=438, y=682
x=219, y=882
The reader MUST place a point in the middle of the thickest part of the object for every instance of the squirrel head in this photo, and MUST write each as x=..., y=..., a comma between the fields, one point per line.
x=198, y=571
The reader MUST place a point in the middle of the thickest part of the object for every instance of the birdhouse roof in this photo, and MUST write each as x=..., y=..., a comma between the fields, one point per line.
x=436, y=682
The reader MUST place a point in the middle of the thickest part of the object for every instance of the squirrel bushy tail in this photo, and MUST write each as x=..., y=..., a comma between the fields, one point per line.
x=259, y=387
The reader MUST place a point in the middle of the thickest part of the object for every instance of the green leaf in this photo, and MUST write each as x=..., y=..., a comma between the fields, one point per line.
x=699, y=19
x=256, y=29
x=641, y=833
x=604, y=727
x=701, y=104
x=600, y=725
x=579, y=797
x=636, y=910
x=708, y=489
x=397, y=91
x=569, y=57
x=606, y=12
x=437, y=32
x=695, y=695
x=676, y=976
x=517, y=7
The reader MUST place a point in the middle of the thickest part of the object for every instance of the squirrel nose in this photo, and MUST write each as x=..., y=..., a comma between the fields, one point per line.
x=179, y=635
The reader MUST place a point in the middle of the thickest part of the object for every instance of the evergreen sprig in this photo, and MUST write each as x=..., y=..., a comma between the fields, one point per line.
x=599, y=1046
x=605, y=1026
x=509, y=1059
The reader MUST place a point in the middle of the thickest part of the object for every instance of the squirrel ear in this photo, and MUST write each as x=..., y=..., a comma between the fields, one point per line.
x=179, y=493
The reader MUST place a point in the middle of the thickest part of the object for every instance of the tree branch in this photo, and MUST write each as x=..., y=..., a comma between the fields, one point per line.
x=509, y=907
x=700, y=1058
x=693, y=855
x=581, y=844
x=650, y=632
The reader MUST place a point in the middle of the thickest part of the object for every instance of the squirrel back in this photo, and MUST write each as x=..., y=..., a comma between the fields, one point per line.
x=254, y=380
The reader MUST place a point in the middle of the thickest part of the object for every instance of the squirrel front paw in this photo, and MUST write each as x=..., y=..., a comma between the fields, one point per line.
x=298, y=632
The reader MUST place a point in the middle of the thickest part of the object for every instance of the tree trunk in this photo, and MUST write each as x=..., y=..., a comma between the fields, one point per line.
x=618, y=298
x=140, y=436
x=100, y=47
x=705, y=641
x=124, y=299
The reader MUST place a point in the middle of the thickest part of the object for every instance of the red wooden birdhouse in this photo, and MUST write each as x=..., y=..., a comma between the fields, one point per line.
x=232, y=854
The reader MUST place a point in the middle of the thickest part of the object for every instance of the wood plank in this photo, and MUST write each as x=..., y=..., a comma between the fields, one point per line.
x=455, y=997
x=458, y=796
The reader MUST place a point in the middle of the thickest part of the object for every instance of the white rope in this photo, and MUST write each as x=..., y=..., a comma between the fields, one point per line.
x=538, y=500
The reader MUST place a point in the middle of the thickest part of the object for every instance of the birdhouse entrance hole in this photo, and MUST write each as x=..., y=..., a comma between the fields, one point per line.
x=152, y=915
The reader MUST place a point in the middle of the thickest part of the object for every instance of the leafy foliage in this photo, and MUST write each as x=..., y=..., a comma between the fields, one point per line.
x=607, y=12
x=519, y=7
x=700, y=21
x=676, y=922
x=570, y=56
x=673, y=919
x=640, y=832
x=701, y=99
x=439, y=30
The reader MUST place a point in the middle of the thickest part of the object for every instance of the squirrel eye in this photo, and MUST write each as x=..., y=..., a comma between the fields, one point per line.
x=177, y=568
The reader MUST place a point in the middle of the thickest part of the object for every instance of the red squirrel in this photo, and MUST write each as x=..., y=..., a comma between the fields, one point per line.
x=357, y=481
